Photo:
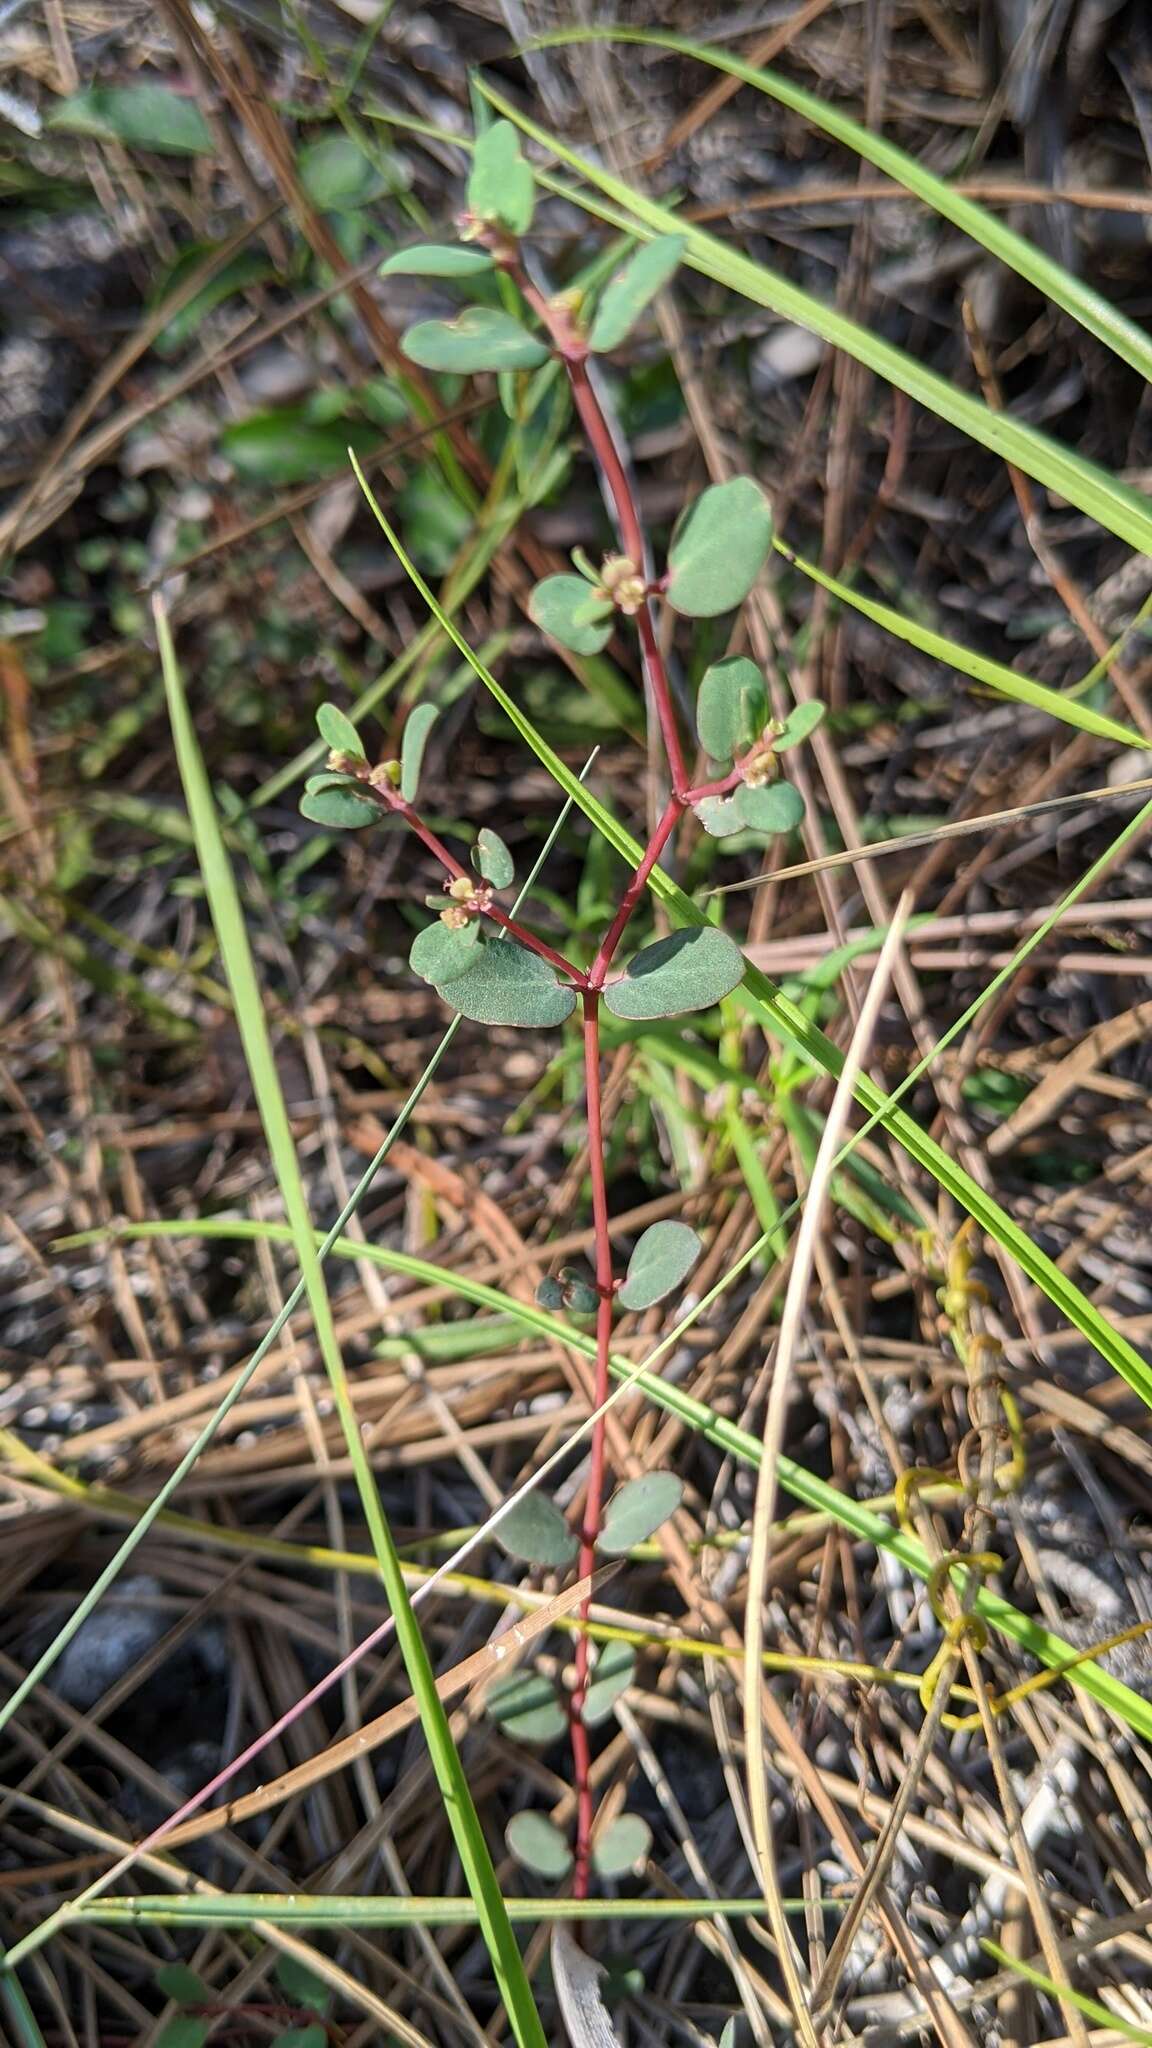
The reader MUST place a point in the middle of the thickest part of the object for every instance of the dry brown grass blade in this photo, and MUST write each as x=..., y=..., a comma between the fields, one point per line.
x=475, y=1671
x=764, y=1513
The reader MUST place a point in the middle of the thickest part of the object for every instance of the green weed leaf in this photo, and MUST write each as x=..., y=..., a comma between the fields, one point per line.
x=312, y=2036
x=731, y=707
x=436, y=259
x=565, y=609
x=417, y=727
x=284, y=446
x=141, y=116
x=338, y=732
x=339, y=805
x=799, y=725
x=527, y=1708
x=719, y=816
x=719, y=546
x=686, y=971
x=664, y=1256
x=178, y=1982
x=550, y=1294
x=621, y=1846
x=536, y=1842
x=338, y=177
x=612, y=1674
x=509, y=985
x=535, y=1531
x=638, y=1510
x=301, y=1984
x=778, y=807
x=441, y=955
x=633, y=288
x=492, y=860
x=186, y=2032
x=479, y=338
x=501, y=188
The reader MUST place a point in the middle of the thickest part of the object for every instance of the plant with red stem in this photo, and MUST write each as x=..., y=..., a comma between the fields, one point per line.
x=512, y=976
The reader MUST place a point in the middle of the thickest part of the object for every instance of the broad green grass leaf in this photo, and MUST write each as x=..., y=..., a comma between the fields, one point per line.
x=731, y=707
x=283, y=446
x=638, y=1510
x=536, y=1531
x=228, y=921
x=436, y=259
x=621, y=1846
x=141, y=116
x=982, y=670
x=634, y=287
x=561, y=605
x=500, y=187
x=537, y=1844
x=719, y=546
x=509, y=985
x=492, y=859
x=684, y=972
x=1118, y=507
x=417, y=727
x=1090, y=308
x=441, y=954
x=612, y=1674
x=338, y=732
x=662, y=1260
x=526, y=1707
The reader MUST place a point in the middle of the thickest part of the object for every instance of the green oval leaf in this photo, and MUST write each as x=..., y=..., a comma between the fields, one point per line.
x=188, y=2031
x=339, y=806
x=580, y=1297
x=799, y=725
x=338, y=176
x=301, y=1984
x=686, y=971
x=441, y=954
x=417, y=727
x=492, y=860
x=778, y=807
x=664, y=1256
x=500, y=186
x=436, y=259
x=479, y=338
x=719, y=546
x=510, y=985
x=142, y=116
x=338, y=732
x=535, y=1531
x=633, y=288
x=621, y=1846
x=312, y=2036
x=612, y=1674
x=550, y=1294
x=731, y=707
x=565, y=609
x=284, y=446
x=179, y=1982
x=536, y=1842
x=638, y=1510
x=527, y=1708
x=719, y=816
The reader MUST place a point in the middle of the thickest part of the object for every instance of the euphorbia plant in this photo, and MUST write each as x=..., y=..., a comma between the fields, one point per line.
x=494, y=969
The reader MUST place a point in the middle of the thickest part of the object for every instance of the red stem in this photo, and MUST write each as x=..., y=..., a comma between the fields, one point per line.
x=672, y=814
x=403, y=809
x=594, y=1490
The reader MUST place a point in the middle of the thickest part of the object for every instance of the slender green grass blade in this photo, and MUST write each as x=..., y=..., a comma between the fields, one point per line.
x=1092, y=2009
x=969, y=663
x=785, y=1020
x=1089, y=307
x=232, y=936
x=278, y=1909
x=1115, y=505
